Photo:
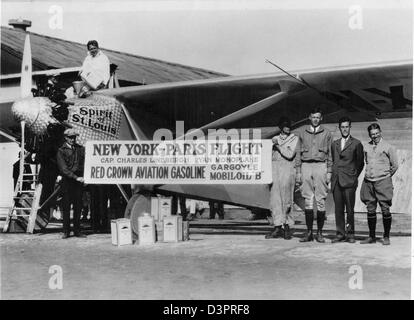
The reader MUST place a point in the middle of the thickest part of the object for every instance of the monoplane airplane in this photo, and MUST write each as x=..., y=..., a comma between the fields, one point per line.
x=365, y=92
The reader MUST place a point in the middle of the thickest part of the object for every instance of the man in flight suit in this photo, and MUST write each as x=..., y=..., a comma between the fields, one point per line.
x=313, y=171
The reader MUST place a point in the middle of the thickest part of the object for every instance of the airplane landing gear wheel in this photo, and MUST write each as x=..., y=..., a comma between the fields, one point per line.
x=137, y=205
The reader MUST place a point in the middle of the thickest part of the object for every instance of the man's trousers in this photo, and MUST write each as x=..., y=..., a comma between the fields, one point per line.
x=72, y=195
x=372, y=193
x=314, y=185
x=344, y=198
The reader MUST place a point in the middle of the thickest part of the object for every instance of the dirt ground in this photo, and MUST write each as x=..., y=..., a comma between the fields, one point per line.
x=223, y=260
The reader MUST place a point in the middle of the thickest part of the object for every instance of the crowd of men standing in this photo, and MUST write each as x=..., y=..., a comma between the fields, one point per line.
x=315, y=163
x=310, y=160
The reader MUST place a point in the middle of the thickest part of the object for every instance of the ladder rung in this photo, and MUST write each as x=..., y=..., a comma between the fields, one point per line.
x=26, y=191
x=21, y=208
x=30, y=174
x=21, y=215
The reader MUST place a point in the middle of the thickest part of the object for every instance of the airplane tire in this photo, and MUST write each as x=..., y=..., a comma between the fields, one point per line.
x=137, y=205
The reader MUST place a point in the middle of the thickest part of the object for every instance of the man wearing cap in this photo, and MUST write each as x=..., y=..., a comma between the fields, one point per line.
x=95, y=69
x=70, y=160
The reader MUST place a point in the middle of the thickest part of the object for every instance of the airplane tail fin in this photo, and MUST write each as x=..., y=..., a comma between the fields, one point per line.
x=26, y=77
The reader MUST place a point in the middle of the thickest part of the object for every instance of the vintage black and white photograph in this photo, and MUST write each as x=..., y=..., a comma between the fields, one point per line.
x=192, y=150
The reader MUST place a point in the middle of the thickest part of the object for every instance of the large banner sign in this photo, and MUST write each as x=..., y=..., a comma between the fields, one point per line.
x=178, y=162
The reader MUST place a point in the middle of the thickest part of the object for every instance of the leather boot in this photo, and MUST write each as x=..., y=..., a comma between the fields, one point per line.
x=309, y=219
x=372, y=223
x=387, y=221
x=320, y=220
x=309, y=224
x=276, y=233
x=287, y=234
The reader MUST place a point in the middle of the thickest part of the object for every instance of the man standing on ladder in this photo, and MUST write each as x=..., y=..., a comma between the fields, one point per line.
x=71, y=160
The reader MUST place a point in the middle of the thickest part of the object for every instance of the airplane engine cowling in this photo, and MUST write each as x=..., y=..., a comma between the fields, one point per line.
x=36, y=112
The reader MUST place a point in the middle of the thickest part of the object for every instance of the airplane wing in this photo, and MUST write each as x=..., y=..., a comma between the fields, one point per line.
x=365, y=92
x=49, y=72
x=10, y=84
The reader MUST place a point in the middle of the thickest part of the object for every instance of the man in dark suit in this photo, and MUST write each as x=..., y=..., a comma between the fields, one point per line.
x=348, y=162
x=70, y=160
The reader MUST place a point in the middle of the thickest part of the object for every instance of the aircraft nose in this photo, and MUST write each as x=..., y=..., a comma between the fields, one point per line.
x=36, y=112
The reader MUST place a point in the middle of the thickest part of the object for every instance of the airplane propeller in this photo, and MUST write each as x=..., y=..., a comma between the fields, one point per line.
x=26, y=75
x=36, y=112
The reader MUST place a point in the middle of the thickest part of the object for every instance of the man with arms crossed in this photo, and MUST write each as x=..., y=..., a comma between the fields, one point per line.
x=348, y=162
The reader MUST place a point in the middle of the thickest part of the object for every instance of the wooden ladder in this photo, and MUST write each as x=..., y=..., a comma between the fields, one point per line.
x=25, y=201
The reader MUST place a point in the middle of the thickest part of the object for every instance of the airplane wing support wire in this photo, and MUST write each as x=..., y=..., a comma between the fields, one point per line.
x=246, y=111
x=302, y=81
x=240, y=114
x=299, y=79
x=4, y=134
